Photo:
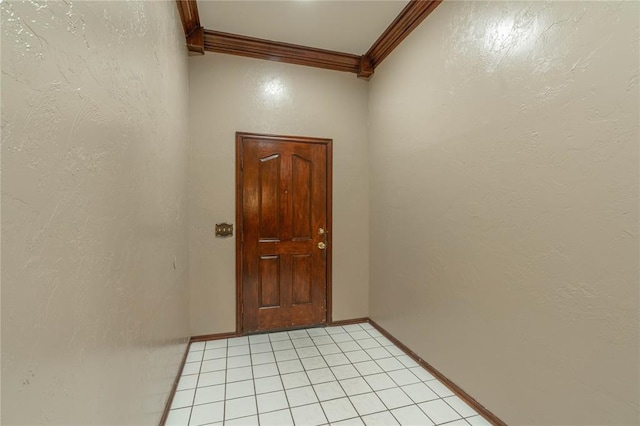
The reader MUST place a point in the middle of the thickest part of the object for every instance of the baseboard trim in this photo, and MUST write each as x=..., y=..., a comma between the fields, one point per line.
x=167, y=406
x=349, y=321
x=217, y=336
x=488, y=415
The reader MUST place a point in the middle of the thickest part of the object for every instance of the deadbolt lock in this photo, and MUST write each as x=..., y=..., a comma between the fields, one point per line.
x=321, y=231
x=322, y=245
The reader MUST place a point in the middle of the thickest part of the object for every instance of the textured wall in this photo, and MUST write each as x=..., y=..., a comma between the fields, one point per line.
x=230, y=94
x=504, y=205
x=94, y=259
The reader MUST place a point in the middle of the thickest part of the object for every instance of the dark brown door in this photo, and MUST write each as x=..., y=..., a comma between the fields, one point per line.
x=284, y=231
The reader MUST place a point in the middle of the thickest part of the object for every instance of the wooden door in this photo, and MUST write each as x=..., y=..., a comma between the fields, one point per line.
x=284, y=213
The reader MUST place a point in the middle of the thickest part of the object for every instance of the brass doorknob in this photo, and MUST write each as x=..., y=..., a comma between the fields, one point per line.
x=322, y=245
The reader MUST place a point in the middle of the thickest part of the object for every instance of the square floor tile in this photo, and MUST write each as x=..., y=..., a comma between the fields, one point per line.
x=215, y=344
x=342, y=338
x=394, y=398
x=282, y=345
x=344, y=371
x=378, y=353
x=295, y=380
x=478, y=421
x=237, y=350
x=195, y=356
x=308, y=352
x=286, y=355
x=395, y=351
x=213, y=365
x=390, y=364
x=313, y=332
x=209, y=394
x=403, y=377
x=439, y=411
x=335, y=330
x=240, y=389
x=460, y=406
x=264, y=358
x=191, y=368
x=356, y=421
x=244, y=421
x=329, y=349
x=187, y=382
x=384, y=418
x=459, y=422
x=268, y=384
x=360, y=335
x=272, y=401
x=368, y=367
x=366, y=326
x=301, y=396
x=384, y=341
x=237, y=341
x=336, y=359
x=265, y=370
x=260, y=348
x=258, y=338
x=380, y=381
x=301, y=343
x=440, y=389
x=309, y=415
x=238, y=361
x=407, y=361
x=239, y=374
x=411, y=416
x=291, y=366
x=422, y=374
x=374, y=333
x=178, y=417
x=276, y=418
x=276, y=337
x=352, y=327
x=369, y=343
x=212, y=378
x=321, y=375
x=355, y=386
x=339, y=409
x=358, y=356
x=298, y=334
x=367, y=403
x=314, y=363
x=419, y=392
x=196, y=346
x=322, y=340
x=183, y=399
x=207, y=413
x=240, y=407
x=215, y=354
x=329, y=390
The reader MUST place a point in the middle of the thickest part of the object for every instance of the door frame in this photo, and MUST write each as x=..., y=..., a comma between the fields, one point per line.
x=240, y=136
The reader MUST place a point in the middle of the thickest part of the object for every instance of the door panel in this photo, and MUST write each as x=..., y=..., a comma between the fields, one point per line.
x=283, y=272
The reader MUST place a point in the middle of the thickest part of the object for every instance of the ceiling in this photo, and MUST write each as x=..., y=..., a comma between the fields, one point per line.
x=349, y=26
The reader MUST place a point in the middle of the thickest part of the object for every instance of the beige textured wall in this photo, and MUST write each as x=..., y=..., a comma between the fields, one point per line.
x=504, y=205
x=94, y=259
x=229, y=94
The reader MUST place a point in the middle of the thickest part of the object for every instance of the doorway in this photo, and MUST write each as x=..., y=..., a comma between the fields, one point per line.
x=283, y=240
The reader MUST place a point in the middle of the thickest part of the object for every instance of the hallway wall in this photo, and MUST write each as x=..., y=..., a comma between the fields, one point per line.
x=230, y=94
x=94, y=167
x=504, y=205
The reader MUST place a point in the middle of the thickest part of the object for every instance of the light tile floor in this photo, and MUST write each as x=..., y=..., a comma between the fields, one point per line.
x=350, y=375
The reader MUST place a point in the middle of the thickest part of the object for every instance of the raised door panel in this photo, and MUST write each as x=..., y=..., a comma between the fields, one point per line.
x=269, y=198
x=301, y=278
x=269, y=282
x=301, y=190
